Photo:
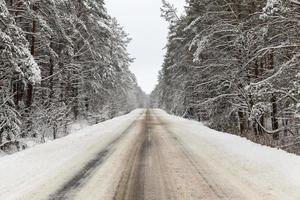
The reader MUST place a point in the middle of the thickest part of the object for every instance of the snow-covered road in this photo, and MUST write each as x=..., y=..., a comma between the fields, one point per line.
x=151, y=155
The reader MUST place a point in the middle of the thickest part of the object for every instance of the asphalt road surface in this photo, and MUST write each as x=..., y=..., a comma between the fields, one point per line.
x=149, y=161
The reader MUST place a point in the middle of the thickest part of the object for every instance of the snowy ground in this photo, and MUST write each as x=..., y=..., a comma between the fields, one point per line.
x=161, y=156
x=269, y=170
x=78, y=125
x=22, y=174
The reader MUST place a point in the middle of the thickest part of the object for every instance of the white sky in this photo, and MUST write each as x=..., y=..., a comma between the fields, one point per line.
x=141, y=19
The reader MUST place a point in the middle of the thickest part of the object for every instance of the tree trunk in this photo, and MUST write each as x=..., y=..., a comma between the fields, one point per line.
x=32, y=50
x=17, y=90
x=87, y=105
x=256, y=70
x=29, y=98
x=241, y=122
x=54, y=132
x=262, y=122
x=275, y=124
x=51, y=83
x=1, y=135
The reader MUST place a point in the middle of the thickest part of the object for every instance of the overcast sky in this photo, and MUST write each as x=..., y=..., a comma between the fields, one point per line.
x=141, y=19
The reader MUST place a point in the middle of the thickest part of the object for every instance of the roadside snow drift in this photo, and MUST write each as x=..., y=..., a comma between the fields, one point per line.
x=57, y=161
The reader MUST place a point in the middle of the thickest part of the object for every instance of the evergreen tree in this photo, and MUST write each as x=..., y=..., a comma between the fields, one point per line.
x=234, y=64
x=61, y=61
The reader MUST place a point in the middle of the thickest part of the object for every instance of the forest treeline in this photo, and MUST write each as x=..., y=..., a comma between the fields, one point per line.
x=61, y=60
x=235, y=65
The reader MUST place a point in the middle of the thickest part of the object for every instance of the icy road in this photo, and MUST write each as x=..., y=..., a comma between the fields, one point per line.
x=150, y=155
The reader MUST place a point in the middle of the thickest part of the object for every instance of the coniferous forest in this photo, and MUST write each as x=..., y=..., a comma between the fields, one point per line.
x=235, y=65
x=222, y=120
x=61, y=60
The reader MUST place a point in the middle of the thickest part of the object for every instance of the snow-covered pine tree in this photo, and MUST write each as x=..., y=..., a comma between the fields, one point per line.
x=234, y=64
x=83, y=68
x=18, y=69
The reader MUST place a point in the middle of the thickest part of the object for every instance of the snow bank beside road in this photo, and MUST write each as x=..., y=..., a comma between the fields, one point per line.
x=58, y=160
x=275, y=170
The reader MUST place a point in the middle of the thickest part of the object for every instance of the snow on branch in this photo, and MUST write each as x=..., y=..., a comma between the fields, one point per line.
x=169, y=12
x=295, y=2
x=273, y=7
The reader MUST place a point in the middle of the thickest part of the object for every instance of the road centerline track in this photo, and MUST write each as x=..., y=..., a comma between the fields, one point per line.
x=148, y=175
x=133, y=171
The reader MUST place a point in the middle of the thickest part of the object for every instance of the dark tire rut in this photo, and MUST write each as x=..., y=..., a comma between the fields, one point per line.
x=69, y=189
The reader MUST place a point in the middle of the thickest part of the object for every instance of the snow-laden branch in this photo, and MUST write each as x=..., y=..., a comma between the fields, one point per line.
x=7, y=99
x=295, y=2
x=287, y=64
x=169, y=12
x=287, y=94
x=272, y=132
x=263, y=51
x=210, y=100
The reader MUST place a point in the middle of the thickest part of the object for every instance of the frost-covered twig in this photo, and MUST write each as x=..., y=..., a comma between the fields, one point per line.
x=7, y=99
x=271, y=132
